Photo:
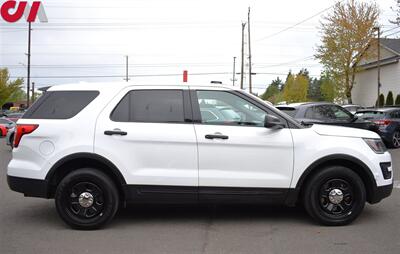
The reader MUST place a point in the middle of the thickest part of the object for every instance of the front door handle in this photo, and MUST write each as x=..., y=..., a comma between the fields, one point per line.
x=216, y=136
x=115, y=132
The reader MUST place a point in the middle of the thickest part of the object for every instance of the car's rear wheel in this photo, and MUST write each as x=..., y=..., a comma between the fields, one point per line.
x=86, y=199
x=334, y=196
x=396, y=139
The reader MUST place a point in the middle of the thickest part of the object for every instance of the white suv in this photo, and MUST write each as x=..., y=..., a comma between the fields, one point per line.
x=96, y=147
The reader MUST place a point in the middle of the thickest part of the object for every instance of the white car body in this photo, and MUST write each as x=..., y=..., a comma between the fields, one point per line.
x=178, y=154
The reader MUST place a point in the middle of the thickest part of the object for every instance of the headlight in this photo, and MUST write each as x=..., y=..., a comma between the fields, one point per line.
x=376, y=145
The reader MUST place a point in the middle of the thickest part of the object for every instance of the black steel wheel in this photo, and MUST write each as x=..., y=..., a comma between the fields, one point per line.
x=334, y=196
x=86, y=199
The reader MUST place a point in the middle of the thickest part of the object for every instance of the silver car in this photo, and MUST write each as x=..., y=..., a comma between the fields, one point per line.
x=10, y=137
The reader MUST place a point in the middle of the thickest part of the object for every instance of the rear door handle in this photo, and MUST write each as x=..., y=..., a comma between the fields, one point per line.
x=116, y=132
x=216, y=136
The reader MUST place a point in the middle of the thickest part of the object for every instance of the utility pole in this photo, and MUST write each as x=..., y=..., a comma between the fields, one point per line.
x=248, y=34
x=29, y=65
x=234, y=67
x=127, y=68
x=242, y=65
x=33, y=92
x=379, y=62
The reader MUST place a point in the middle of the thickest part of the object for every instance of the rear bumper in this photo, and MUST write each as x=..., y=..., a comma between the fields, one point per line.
x=380, y=193
x=29, y=187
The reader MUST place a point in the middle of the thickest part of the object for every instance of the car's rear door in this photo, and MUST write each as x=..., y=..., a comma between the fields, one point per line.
x=147, y=133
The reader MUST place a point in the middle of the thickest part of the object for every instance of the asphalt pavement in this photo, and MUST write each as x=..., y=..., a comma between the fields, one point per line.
x=31, y=225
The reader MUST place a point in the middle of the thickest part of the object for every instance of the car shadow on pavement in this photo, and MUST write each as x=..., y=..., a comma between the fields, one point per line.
x=135, y=214
x=45, y=215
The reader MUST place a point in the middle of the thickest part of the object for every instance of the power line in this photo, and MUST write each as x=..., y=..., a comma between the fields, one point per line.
x=145, y=75
x=392, y=34
x=299, y=23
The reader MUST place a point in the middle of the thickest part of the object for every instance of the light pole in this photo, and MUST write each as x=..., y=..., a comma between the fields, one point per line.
x=378, y=29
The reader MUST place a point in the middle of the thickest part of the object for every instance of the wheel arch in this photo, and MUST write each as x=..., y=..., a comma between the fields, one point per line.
x=354, y=164
x=83, y=160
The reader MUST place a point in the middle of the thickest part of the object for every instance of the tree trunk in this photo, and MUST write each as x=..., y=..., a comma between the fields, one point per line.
x=348, y=88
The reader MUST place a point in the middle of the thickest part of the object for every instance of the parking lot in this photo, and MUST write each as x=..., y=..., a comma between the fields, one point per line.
x=29, y=225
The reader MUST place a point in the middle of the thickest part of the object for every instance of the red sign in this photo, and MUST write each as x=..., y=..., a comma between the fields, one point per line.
x=12, y=11
x=185, y=76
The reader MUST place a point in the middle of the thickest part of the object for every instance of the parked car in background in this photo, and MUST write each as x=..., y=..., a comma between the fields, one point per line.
x=388, y=120
x=352, y=108
x=7, y=123
x=326, y=113
x=14, y=116
x=10, y=137
x=3, y=131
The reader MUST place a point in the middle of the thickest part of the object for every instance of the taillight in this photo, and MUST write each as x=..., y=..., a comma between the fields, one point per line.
x=22, y=129
x=383, y=122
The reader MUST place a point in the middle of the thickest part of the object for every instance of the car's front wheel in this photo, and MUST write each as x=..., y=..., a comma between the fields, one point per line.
x=396, y=139
x=86, y=199
x=334, y=196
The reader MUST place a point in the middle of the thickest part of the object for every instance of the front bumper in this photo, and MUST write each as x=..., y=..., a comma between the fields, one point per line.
x=29, y=187
x=380, y=193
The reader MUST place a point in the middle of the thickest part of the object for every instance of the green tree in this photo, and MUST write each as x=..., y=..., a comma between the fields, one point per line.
x=346, y=33
x=272, y=90
x=397, y=102
x=296, y=88
x=314, y=90
x=328, y=87
x=389, y=99
x=8, y=88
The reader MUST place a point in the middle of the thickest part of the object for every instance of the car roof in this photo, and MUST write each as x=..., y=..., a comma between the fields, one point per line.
x=82, y=86
x=389, y=109
x=299, y=104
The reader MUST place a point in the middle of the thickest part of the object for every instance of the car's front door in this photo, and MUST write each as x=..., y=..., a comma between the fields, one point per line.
x=148, y=135
x=238, y=156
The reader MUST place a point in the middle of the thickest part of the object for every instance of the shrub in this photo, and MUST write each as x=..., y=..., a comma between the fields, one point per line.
x=381, y=101
x=397, y=102
x=389, y=99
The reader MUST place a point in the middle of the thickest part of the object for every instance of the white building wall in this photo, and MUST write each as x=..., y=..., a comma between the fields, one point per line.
x=365, y=89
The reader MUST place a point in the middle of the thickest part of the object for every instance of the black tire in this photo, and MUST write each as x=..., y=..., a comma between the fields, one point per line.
x=12, y=141
x=395, y=141
x=71, y=192
x=319, y=196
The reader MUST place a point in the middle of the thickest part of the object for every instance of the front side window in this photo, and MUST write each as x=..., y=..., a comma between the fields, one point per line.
x=219, y=107
x=160, y=106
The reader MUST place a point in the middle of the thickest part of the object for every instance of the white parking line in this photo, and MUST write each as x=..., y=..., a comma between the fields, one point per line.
x=396, y=184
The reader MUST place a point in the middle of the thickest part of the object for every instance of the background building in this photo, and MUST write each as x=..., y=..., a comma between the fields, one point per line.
x=365, y=90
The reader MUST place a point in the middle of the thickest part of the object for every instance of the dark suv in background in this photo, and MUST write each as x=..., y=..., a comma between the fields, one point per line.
x=326, y=113
x=388, y=120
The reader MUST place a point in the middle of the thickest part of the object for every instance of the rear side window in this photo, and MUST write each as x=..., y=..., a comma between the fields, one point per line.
x=154, y=106
x=60, y=104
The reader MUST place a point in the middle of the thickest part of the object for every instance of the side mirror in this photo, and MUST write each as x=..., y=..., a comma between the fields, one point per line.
x=273, y=122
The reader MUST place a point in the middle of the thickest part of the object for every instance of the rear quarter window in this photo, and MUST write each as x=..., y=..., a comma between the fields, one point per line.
x=60, y=104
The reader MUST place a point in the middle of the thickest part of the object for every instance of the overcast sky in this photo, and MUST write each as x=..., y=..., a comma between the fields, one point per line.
x=92, y=37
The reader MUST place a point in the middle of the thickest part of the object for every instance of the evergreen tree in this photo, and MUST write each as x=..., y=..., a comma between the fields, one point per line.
x=389, y=99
